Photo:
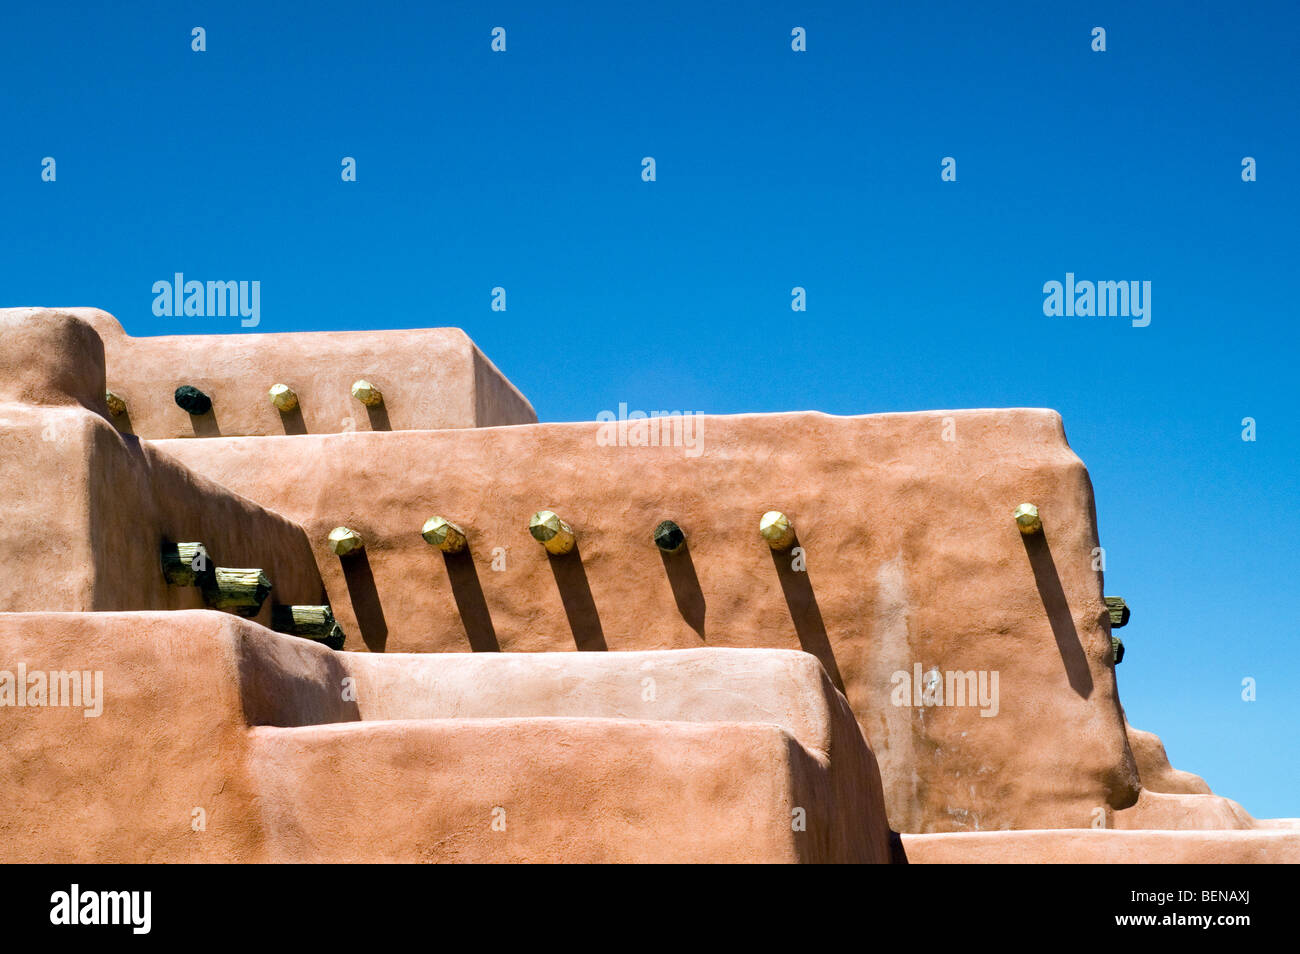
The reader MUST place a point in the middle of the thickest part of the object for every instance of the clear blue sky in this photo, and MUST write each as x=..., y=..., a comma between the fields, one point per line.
x=774, y=169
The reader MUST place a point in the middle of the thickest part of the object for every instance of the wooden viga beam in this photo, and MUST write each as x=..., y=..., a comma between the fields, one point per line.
x=283, y=397
x=669, y=537
x=551, y=532
x=442, y=533
x=310, y=622
x=1118, y=611
x=186, y=564
x=345, y=541
x=776, y=529
x=367, y=393
x=238, y=591
x=1028, y=520
x=193, y=401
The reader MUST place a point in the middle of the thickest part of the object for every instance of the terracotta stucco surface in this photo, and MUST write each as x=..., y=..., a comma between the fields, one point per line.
x=911, y=558
x=219, y=740
x=1105, y=847
x=88, y=509
x=430, y=378
x=726, y=702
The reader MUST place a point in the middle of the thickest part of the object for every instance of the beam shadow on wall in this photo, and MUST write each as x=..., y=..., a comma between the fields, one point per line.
x=379, y=418
x=686, y=586
x=365, y=601
x=1058, y=613
x=205, y=424
x=123, y=422
x=293, y=422
x=470, y=602
x=575, y=594
x=805, y=613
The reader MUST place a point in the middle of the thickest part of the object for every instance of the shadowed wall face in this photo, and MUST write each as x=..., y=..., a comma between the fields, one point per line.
x=88, y=508
x=907, y=554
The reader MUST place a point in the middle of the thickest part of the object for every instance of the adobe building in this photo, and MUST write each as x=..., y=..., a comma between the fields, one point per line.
x=340, y=597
